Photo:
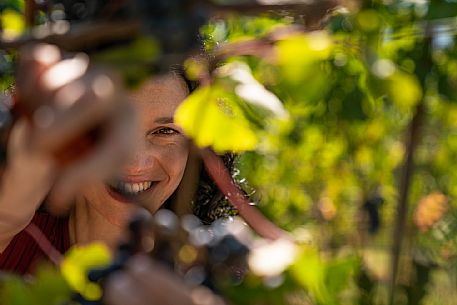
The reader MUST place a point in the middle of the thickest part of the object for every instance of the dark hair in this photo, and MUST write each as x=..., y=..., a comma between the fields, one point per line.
x=208, y=202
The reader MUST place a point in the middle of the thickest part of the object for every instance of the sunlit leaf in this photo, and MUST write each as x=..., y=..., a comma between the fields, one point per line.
x=297, y=55
x=211, y=118
x=310, y=271
x=134, y=60
x=368, y=20
x=250, y=90
x=13, y=24
x=78, y=262
x=404, y=89
x=271, y=259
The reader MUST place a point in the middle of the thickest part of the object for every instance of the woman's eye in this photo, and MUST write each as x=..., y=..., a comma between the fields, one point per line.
x=165, y=131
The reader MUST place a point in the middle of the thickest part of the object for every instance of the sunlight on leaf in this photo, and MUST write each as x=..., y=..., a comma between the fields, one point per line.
x=132, y=60
x=78, y=262
x=298, y=54
x=368, y=20
x=12, y=23
x=404, y=90
x=211, y=118
x=250, y=90
x=272, y=258
x=325, y=280
x=309, y=270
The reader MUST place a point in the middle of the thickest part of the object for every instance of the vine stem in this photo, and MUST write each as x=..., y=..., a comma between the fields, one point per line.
x=402, y=207
x=412, y=141
x=256, y=220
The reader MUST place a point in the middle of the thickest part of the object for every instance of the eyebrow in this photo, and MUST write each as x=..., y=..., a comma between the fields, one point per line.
x=164, y=120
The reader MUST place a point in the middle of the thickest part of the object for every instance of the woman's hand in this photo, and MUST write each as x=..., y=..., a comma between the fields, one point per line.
x=145, y=282
x=79, y=116
x=25, y=182
x=75, y=127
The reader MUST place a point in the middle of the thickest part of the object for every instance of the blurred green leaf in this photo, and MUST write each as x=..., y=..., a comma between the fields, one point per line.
x=133, y=60
x=47, y=287
x=14, y=292
x=78, y=261
x=211, y=117
x=441, y=9
x=12, y=24
x=300, y=55
x=405, y=90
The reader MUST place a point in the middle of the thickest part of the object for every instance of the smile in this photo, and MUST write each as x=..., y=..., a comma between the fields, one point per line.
x=128, y=192
x=131, y=188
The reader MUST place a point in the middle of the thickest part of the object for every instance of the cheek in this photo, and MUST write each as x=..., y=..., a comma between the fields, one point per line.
x=175, y=160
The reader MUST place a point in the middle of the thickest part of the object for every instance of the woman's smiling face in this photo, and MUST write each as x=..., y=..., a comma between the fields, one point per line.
x=158, y=159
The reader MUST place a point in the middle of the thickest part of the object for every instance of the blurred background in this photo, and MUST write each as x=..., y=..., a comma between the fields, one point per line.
x=342, y=114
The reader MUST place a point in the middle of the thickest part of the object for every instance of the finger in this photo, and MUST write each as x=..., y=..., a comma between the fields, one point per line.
x=18, y=137
x=121, y=289
x=79, y=106
x=42, y=73
x=18, y=149
x=157, y=282
x=102, y=162
x=20, y=154
x=64, y=72
x=34, y=60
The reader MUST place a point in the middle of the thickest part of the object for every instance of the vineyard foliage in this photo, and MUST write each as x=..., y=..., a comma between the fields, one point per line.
x=322, y=121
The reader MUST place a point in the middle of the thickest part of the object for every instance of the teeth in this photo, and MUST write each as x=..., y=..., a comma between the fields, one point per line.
x=132, y=188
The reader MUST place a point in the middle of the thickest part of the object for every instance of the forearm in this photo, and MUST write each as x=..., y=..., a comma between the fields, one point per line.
x=21, y=192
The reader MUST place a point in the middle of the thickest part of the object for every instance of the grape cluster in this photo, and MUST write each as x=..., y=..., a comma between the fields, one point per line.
x=200, y=254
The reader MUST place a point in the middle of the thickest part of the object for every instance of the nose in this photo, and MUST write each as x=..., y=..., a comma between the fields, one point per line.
x=140, y=163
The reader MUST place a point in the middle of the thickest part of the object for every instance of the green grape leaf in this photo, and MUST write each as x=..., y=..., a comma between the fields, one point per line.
x=298, y=55
x=15, y=292
x=49, y=287
x=441, y=9
x=404, y=89
x=250, y=90
x=309, y=270
x=340, y=272
x=211, y=117
x=133, y=60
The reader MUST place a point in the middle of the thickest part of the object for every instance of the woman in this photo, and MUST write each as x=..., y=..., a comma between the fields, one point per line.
x=159, y=153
